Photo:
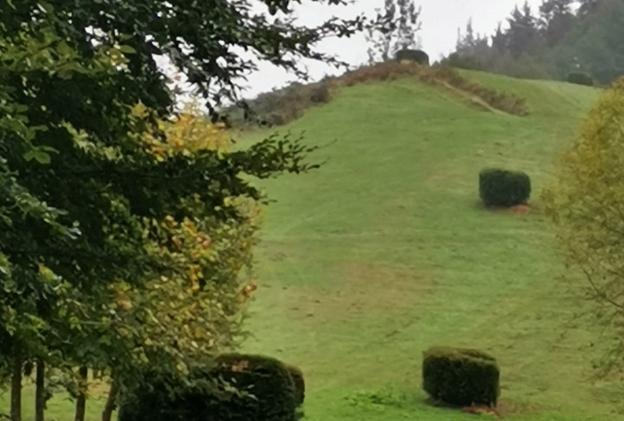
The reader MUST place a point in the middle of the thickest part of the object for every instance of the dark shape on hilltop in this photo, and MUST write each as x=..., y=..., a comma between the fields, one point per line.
x=417, y=56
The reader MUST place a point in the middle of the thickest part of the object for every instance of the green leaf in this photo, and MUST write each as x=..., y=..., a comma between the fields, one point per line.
x=38, y=155
x=126, y=49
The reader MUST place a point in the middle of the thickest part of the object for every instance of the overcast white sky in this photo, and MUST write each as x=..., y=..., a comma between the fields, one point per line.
x=441, y=18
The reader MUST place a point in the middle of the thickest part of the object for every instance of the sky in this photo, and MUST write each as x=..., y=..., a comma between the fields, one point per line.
x=441, y=19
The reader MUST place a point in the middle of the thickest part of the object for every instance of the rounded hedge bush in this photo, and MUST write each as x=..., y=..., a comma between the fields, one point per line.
x=504, y=188
x=461, y=377
x=417, y=56
x=236, y=388
x=298, y=382
x=580, y=78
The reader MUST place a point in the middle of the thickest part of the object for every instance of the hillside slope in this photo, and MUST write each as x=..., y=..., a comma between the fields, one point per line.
x=385, y=251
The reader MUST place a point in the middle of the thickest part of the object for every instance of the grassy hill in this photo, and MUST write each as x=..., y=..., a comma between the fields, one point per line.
x=385, y=251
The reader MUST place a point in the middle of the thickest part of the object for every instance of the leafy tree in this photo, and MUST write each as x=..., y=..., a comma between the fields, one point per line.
x=563, y=40
x=499, y=40
x=92, y=203
x=523, y=32
x=595, y=46
x=398, y=24
x=587, y=204
x=556, y=19
x=471, y=50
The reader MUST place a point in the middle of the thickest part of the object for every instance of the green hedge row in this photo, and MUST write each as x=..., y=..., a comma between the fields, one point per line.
x=236, y=388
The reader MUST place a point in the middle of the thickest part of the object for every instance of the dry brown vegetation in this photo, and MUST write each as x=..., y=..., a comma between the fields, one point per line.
x=287, y=104
x=443, y=76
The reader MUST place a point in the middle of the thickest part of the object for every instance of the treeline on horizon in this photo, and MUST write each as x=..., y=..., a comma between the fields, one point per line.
x=562, y=38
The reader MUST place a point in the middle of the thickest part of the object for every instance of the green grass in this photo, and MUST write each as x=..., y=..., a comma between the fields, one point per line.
x=60, y=408
x=385, y=251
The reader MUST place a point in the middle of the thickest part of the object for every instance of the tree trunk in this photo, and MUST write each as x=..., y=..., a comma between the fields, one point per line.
x=16, y=389
x=81, y=401
x=40, y=392
x=111, y=401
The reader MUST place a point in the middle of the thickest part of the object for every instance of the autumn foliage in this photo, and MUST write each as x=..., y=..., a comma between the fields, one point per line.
x=587, y=204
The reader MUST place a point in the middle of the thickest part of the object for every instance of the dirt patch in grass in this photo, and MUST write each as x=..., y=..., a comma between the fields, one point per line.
x=504, y=409
x=382, y=287
x=521, y=209
x=361, y=289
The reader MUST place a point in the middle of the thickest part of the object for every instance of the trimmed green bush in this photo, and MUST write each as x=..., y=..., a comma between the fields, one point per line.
x=416, y=56
x=298, y=382
x=504, y=188
x=236, y=388
x=461, y=377
x=580, y=78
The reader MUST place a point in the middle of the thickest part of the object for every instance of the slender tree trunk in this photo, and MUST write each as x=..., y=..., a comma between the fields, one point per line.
x=111, y=401
x=16, y=389
x=81, y=401
x=40, y=393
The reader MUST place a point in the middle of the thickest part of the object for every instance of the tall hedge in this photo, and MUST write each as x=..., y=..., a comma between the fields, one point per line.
x=461, y=377
x=236, y=388
x=499, y=187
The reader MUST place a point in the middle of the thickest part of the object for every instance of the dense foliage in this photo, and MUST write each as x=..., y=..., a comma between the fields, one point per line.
x=504, y=188
x=124, y=228
x=559, y=40
x=235, y=388
x=587, y=203
x=461, y=377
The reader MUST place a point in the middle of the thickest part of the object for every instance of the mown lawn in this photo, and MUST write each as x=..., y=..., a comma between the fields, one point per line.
x=385, y=251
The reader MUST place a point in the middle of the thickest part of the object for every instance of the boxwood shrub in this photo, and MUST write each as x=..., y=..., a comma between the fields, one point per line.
x=236, y=388
x=298, y=382
x=499, y=187
x=416, y=56
x=461, y=377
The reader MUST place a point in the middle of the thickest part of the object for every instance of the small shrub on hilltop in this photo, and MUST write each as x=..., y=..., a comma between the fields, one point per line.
x=416, y=56
x=504, y=188
x=236, y=388
x=580, y=78
x=461, y=377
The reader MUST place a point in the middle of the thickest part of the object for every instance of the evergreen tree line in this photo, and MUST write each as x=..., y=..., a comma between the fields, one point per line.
x=563, y=38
